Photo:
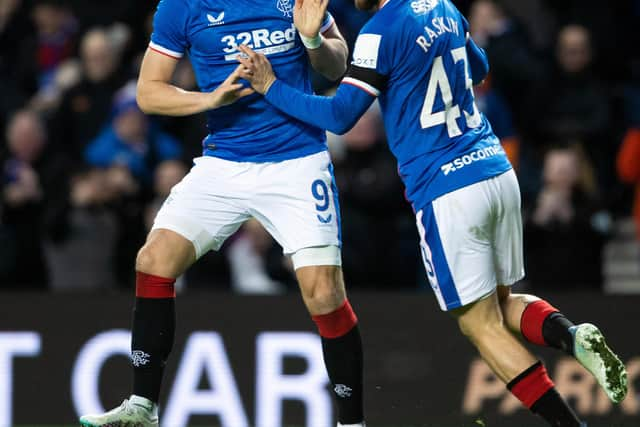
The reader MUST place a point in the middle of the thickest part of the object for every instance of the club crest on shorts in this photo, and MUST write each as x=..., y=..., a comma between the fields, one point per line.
x=285, y=7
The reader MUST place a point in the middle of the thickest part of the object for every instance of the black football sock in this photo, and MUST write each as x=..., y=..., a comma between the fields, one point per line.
x=154, y=321
x=537, y=392
x=555, y=330
x=553, y=408
x=343, y=358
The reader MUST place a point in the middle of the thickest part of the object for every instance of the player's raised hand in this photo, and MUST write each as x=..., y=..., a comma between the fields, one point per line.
x=308, y=16
x=256, y=69
x=229, y=91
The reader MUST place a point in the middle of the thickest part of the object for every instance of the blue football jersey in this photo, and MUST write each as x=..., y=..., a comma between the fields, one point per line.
x=209, y=31
x=413, y=55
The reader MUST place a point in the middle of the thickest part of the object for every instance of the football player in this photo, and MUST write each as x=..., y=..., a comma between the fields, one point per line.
x=417, y=58
x=257, y=163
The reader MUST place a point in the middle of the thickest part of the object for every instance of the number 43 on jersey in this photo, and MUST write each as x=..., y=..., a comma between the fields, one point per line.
x=451, y=113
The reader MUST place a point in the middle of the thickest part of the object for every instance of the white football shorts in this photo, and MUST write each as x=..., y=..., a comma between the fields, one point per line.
x=295, y=200
x=471, y=240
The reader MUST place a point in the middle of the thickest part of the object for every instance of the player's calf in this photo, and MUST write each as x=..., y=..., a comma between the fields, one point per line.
x=323, y=291
x=483, y=323
x=543, y=324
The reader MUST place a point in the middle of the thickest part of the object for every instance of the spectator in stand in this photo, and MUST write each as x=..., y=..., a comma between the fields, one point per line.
x=514, y=66
x=93, y=14
x=167, y=175
x=130, y=147
x=52, y=43
x=131, y=140
x=248, y=254
x=31, y=187
x=565, y=230
x=576, y=102
x=611, y=26
x=81, y=258
x=87, y=106
x=573, y=103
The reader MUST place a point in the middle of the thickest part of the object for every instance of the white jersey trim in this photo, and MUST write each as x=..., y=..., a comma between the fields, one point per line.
x=362, y=85
x=165, y=51
x=328, y=25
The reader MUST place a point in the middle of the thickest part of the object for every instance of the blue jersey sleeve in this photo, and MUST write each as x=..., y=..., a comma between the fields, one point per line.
x=477, y=61
x=477, y=57
x=169, y=35
x=337, y=114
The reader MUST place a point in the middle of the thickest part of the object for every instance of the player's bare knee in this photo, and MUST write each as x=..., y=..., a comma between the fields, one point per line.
x=165, y=254
x=519, y=300
x=526, y=299
x=322, y=288
x=325, y=291
x=146, y=260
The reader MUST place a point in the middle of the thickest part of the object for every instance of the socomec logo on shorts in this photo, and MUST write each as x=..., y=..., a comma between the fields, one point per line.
x=467, y=159
x=261, y=40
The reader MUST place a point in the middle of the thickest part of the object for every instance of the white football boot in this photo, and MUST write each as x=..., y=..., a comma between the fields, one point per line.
x=135, y=412
x=591, y=350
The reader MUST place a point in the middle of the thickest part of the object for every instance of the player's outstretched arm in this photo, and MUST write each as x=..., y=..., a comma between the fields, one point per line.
x=325, y=45
x=477, y=61
x=156, y=95
x=337, y=114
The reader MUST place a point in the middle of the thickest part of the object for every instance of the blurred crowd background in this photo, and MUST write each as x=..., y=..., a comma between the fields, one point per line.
x=83, y=170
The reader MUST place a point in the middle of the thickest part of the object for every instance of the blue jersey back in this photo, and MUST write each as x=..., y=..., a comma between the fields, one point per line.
x=413, y=55
x=210, y=31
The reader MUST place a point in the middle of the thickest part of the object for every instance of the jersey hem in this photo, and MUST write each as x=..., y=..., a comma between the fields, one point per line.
x=433, y=195
x=264, y=158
